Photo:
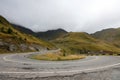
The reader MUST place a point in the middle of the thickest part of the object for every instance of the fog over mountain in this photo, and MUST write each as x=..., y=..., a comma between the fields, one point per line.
x=71, y=15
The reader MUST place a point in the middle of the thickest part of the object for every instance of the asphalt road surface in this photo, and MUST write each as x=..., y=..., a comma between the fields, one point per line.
x=19, y=64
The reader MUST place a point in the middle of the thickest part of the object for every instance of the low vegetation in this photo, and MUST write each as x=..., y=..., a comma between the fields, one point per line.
x=57, y=57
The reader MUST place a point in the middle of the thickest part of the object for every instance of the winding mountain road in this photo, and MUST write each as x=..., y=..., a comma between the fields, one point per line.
x=19, y=64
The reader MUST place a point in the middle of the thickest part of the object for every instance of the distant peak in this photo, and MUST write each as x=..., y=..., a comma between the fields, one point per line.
x=59, y=29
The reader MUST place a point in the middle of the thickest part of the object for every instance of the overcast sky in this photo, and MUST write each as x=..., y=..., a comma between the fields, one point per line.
x=71, y=15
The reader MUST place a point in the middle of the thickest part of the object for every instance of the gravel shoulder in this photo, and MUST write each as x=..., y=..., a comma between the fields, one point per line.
x=107, y=74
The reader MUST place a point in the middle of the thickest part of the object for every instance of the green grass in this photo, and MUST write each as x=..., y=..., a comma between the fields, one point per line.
x=80, y=42
x=111, y=35
x=18, y=37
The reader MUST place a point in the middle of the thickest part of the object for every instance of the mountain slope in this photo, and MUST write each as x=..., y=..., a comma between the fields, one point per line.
x=13, y=40
x=79, y=42
x=51, y=34
x=23, y=29
x=47, y=35
x=111, y=35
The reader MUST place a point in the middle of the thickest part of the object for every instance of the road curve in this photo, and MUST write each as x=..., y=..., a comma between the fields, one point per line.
x=20, y=64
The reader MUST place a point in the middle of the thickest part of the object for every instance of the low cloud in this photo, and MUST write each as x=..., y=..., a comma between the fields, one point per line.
x=72, y=15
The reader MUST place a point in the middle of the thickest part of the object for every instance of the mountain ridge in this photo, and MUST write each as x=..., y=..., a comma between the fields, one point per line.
x=45, y=35
x=83, y=35
x=71, y=42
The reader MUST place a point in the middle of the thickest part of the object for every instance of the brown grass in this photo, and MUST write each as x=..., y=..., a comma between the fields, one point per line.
x=56, y=57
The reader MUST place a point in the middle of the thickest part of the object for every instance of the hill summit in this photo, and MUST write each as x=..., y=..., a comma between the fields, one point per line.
x=51, y=34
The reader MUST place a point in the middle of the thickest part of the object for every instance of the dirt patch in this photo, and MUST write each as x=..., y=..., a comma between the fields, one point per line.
x=28, y=68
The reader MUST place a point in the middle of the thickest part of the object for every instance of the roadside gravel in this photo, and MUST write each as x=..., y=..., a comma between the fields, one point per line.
x=108, y=74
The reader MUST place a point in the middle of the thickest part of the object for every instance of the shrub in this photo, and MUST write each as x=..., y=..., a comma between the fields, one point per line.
x=9, y=31
x=25, y=39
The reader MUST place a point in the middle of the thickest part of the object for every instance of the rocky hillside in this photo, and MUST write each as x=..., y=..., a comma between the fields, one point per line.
x=12, y=40
x=80, y=42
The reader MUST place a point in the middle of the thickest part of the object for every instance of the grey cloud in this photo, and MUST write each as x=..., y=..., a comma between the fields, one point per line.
x=72, y=15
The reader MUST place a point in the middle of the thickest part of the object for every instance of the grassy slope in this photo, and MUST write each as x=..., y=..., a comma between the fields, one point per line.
x=16, y=37
x=80, y=42
x=111, y=35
